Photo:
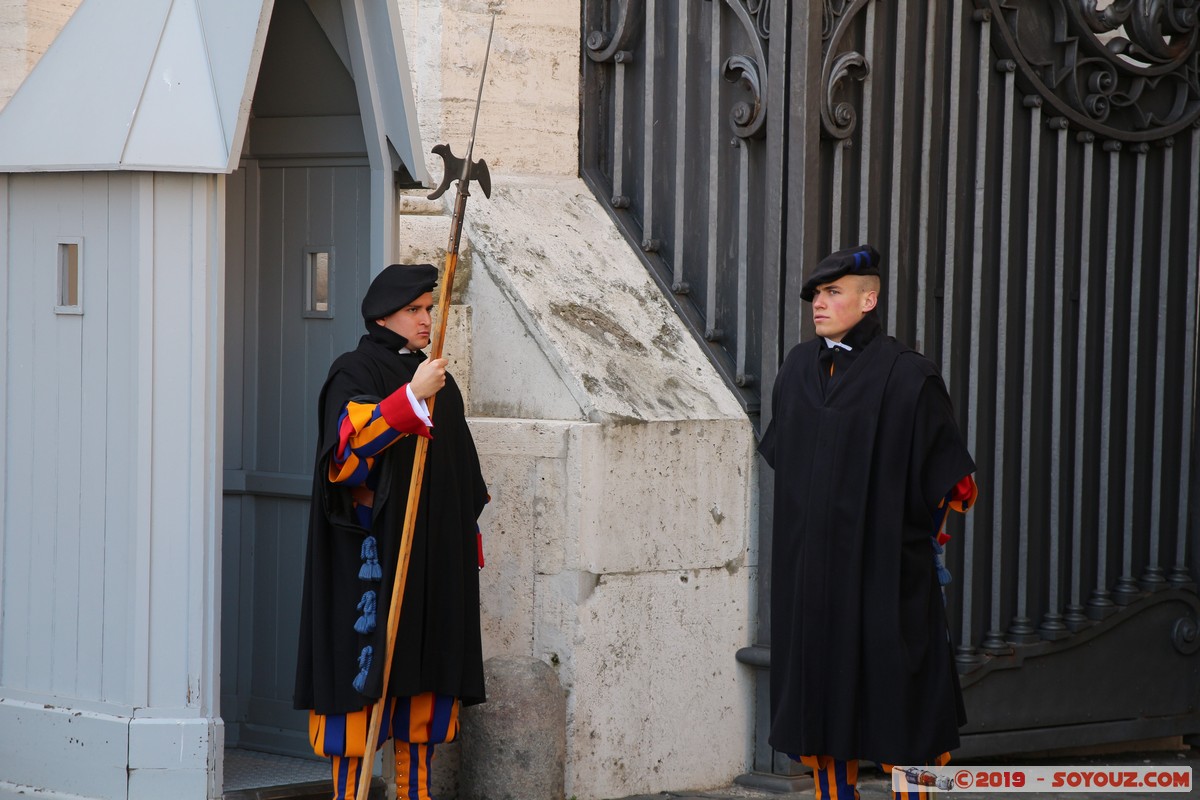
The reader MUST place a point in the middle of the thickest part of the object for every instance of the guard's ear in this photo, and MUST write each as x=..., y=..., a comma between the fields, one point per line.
x=870, y=300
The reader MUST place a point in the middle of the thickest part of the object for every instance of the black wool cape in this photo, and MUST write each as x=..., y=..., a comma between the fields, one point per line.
x=438, y=646
x=861, y=663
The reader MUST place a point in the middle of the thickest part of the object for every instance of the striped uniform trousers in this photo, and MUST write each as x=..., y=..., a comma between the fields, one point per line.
x=834, y=779
x=415, y=724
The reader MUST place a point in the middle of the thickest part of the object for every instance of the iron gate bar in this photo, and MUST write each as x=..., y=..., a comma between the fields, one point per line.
x=1076, y=617
x=954, y=128
x=1181, y=574
x=1053, y=626
x=839, y=159
x=1021, y=629
x=967, y=653
x=1101, y=604
x=994, y=642
x=650, y=59
x=740, y=377
x=864, y=173
x=681, y=149
x=925, y=221
x=1154, y=577
x=800, y=130
x=711, y=332
x=893, y=275
x=1127, y=588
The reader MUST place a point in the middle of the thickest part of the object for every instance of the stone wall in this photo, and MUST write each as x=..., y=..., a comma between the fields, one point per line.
x=26, y=30
x=619, y=537
x=529, y=121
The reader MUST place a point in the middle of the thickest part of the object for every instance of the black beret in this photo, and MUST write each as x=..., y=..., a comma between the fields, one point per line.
x=396, y=287
x=861, y=260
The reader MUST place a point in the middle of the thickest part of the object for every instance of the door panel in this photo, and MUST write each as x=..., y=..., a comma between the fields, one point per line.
x=279, y=346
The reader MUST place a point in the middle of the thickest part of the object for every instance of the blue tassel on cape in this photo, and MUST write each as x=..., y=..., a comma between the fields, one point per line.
x=366, y=622
x=364, y=666
x=944, y=576
x=371, y=571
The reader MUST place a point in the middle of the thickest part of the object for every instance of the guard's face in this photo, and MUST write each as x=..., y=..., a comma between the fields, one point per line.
x=414, y=322
x=840, y=305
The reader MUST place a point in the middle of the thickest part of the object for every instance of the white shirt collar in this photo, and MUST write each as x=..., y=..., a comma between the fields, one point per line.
x=831, y=343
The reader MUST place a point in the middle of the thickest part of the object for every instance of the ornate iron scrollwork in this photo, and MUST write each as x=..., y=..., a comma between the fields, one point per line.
x=747, y=118
x=1129, y=71
x=1185, y=635
x=1147, y=24
x=834, y=9
x=605, y=45
x=839, y=119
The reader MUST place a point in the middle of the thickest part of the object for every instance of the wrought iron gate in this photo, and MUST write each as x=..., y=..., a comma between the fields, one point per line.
x=1030, y=170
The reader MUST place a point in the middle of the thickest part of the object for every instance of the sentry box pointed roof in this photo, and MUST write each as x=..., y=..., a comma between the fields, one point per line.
x=167, y=85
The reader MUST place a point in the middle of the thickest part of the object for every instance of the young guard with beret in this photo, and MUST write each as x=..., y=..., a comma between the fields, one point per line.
x=373, y=402
x=868, y=459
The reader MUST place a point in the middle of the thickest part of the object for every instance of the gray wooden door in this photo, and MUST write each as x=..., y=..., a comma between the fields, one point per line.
x=297, y=264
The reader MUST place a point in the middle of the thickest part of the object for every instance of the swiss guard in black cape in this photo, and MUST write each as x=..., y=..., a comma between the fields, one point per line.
x=370, y=411
x=868, y=459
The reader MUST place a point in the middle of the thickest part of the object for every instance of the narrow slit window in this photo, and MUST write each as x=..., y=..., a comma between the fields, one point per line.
x=70, y=277
x=318, y=269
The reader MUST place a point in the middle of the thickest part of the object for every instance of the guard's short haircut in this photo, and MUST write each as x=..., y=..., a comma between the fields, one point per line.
x=869, y=283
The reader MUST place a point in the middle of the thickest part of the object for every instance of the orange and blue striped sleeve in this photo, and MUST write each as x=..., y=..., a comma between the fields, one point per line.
x=960, y=499
x=367, y=428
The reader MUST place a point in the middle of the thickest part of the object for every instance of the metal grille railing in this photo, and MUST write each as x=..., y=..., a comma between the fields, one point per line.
x=1030, y=170
x=673, y=141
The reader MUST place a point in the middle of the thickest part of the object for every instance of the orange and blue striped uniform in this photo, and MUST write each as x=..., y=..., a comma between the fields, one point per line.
x=834, y=779
x=366, y=428
x=960, y=499
x=415, y=724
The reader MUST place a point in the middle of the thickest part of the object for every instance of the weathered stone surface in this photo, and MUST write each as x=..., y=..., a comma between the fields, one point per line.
x=638, y=590
x=447, y=760
x=589, y=304
x=26, y=30
x=639, y=597
x=456, y=348
x=515, y=375
x=514, y=745
x=658, y=700
x=529, y=120
x=423, y=238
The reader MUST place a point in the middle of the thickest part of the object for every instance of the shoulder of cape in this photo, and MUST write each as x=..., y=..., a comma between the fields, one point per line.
x=355, y=368
x=357, y=364
x=793, y=366
x=801, y=350
x=912, y=367
x=349, y=360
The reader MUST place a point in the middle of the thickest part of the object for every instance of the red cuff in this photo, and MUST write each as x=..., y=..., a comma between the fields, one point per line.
x=397, y=411
x=345, y=431
x=965, y=492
